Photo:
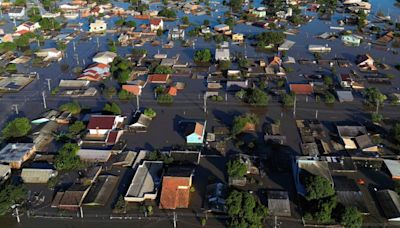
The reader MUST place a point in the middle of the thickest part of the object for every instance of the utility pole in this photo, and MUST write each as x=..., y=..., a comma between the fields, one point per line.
x=77, y=59
x=15, y=108
x=44, y=100
x=137, y=103
x=294, y=106
x=316, y=114
x=377, y=107
x=81, y=209
x=48, y=83
x=175, y=219
x=205, y=103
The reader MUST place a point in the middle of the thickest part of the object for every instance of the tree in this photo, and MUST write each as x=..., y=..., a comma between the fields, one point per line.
x=206, y=22
x=130, y=24
x=329, y=98
x=240, y=122
x=34, y=14
x=120, y=205
x=16, y=128
x=67, y=160
x=10, y=195
x=61, y=46
x=351, y=218
x=150, y=112
x=73, y=107
x=124, y=76
x=112, y=108
x=160, y=32
x=396, y=132
x=236, y=168
x=324, y=209
x=165, y=99
x=7, y=46
x=362, y=19
x=49, y=24
x=224, y=64
x=253, y=96
x=168, y=13
x=376, y=117
x=139, y=52
x=234, y=203
x=230, y=22
x=120, y=22
x=20, y=2
x=328, y=81
x=185, y=20
x=76, y=128
x=163, y=70
x=245, y=210
x=374, y=96
x=203, y=56
x=318, y=187
x=236, y=5
x=267, y=38
x=124, y=95
x=22, y=41
x=288, y=99
x=244, y=62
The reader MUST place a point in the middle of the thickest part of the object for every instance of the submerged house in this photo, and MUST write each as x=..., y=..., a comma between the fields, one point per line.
x=195, y=132
x=14, y=154
x=98, y=26
x=175, y=192
x=156, y=24
x=351, y=40
x=105, y=128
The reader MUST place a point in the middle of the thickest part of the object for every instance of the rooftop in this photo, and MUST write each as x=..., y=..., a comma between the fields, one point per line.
x=15, y=152
x=145, y=182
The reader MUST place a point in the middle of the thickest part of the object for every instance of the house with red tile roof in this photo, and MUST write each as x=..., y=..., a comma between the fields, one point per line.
x=301, y=89
x=105, y=128
x=133, y=89
x=173, y=91
x=175, y=192
x=156, y=24
x=95, y=72
x=158, y=78
x=103, y=124
x=28, y=26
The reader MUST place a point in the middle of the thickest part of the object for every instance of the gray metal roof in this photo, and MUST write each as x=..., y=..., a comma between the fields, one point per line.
x=14, y=152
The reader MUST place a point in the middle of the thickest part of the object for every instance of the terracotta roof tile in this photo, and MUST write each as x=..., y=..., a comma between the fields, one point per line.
x=134, y=89
x=101, y=122
x=158, y=78
x=175, y=192
x=301, y=89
